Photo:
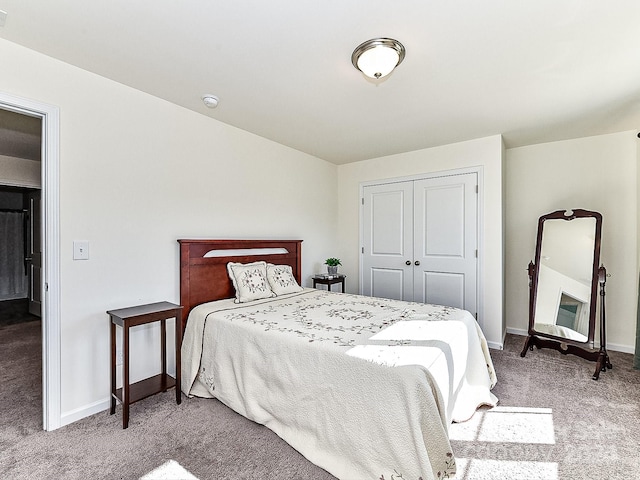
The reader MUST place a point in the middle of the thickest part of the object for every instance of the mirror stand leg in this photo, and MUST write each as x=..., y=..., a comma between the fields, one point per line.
x=599, y=367
x=603, y=363
x=607, y=361
x=528, y=345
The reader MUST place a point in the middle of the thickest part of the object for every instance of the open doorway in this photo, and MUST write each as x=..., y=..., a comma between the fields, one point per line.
x=20, y=262
x=20, y=211
x=31, y=177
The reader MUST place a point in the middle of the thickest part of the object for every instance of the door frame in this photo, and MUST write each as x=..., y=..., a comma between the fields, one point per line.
x=50, y=285
x=479, y=171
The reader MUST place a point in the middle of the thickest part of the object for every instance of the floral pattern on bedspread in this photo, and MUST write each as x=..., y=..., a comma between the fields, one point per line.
x=357, y=419
x=353, y=314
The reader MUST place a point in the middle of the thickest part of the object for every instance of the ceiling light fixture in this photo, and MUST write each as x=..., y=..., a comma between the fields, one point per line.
x=210, y=101
x=377, y=58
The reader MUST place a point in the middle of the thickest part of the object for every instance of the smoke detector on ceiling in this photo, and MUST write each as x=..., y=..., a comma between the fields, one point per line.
x=211, y=101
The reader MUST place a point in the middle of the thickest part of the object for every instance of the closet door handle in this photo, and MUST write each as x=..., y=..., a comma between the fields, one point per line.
x=408, y=262
x=417, y=262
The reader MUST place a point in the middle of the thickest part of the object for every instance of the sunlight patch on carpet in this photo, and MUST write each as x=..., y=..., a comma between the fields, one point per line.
x=474, y=469
x=507, y=424
x=170, y=470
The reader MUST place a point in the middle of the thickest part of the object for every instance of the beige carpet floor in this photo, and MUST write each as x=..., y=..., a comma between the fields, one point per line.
x=553, y=422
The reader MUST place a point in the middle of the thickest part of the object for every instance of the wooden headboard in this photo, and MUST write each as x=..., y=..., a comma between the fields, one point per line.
x=204, y=278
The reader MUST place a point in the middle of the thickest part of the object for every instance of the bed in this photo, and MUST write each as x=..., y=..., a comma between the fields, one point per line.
x=363, y=387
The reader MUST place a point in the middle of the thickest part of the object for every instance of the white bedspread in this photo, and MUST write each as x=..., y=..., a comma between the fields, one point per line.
x=363, y=387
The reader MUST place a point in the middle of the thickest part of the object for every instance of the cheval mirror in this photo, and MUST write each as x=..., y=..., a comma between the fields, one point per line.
x=563, y=285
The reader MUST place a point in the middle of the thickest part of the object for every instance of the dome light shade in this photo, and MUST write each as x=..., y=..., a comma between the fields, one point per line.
x=378, y=57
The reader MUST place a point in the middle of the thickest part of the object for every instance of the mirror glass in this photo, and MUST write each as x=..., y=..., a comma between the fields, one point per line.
x=566, y=270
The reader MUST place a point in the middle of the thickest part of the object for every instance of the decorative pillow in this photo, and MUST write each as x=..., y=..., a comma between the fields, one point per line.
x=250, y=281
x=281, y=279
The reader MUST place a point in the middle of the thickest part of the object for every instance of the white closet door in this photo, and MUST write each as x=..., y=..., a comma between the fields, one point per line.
x=388, y=241
x=445, y=241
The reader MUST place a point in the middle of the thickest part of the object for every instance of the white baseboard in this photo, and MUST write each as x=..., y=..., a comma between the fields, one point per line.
x=86, y=411
x=614, y=347
x=517, y=331
x=621, y=348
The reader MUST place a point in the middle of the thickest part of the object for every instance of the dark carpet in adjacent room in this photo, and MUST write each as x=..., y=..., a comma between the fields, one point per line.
x=15, y=311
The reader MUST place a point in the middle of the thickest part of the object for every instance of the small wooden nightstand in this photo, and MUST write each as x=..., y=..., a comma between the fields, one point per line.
x=328, y=281
x=131, y=317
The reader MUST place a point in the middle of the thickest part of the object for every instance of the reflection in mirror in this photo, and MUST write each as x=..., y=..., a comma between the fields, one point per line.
x=565, y=276
x=563, y=285
x=571, y=314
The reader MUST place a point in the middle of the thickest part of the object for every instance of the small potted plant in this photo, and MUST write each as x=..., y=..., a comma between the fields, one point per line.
x=332, y=265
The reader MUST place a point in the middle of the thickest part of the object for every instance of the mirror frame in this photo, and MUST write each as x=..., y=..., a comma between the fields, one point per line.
x=567, y=215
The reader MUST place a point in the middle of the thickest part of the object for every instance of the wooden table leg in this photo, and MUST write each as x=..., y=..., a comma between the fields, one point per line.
x=113, y=368
x=125, y=381
x=178, y=330
x=163, y=345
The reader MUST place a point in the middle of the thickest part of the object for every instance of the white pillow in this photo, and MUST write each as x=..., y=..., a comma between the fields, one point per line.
x=281, y=279
x=250, y=281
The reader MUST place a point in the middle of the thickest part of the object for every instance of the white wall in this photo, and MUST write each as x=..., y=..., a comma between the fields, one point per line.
x=485, y=152
x=136, y=174
x=595, y=173
x=19, y=171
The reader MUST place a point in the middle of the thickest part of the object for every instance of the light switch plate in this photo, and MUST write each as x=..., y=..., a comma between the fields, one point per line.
x=80, y=250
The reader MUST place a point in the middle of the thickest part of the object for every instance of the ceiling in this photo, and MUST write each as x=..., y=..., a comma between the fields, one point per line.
x=533, y=71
